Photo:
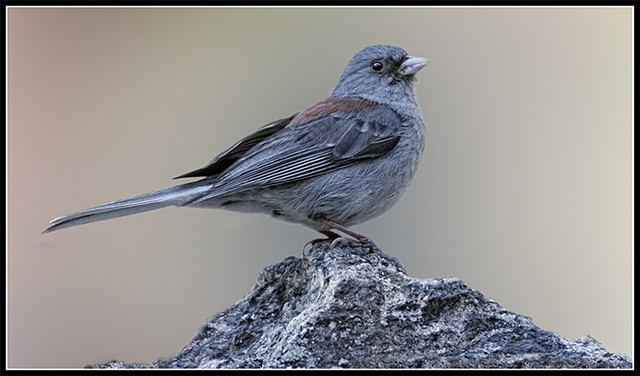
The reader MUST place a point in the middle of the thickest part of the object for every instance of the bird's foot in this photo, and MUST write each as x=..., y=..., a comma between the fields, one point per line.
x=332, y=236
x=339, y=241
x=368, y=245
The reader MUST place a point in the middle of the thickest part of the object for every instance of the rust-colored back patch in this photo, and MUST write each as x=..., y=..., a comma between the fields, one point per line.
x=329, y=105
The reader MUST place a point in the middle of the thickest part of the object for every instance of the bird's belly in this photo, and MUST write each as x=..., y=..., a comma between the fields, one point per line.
x=348, y=196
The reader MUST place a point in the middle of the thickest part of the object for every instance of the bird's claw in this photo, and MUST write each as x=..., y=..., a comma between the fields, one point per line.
x=368, y=245
x=339, y=241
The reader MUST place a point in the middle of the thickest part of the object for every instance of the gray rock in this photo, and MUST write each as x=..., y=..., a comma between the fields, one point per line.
x=343, y=307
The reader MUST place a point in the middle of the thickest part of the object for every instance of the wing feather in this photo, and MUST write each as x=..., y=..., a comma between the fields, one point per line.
x=283, y=158
x=225, y=159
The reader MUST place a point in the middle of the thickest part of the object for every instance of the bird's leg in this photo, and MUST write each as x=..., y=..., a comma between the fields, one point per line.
x=330, y=236
x=365, y=241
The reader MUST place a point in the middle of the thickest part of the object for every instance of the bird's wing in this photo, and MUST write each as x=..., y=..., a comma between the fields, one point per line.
x=286, y=158
x=225, y=159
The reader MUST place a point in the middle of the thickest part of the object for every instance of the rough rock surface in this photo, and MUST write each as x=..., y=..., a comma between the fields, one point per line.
x=347, y=308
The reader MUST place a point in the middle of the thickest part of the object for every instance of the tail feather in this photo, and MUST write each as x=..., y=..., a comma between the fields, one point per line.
x=177, y=195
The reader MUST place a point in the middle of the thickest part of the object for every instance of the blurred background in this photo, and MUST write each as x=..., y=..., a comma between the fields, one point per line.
x=524, y=191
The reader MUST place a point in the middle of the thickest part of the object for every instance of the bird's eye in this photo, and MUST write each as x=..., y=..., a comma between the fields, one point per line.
x=377, y=66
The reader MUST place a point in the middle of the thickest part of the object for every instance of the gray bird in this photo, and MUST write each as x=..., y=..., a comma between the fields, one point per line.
x=340, y=162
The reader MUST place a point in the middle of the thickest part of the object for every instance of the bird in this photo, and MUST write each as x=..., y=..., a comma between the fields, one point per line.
x=340, y=162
